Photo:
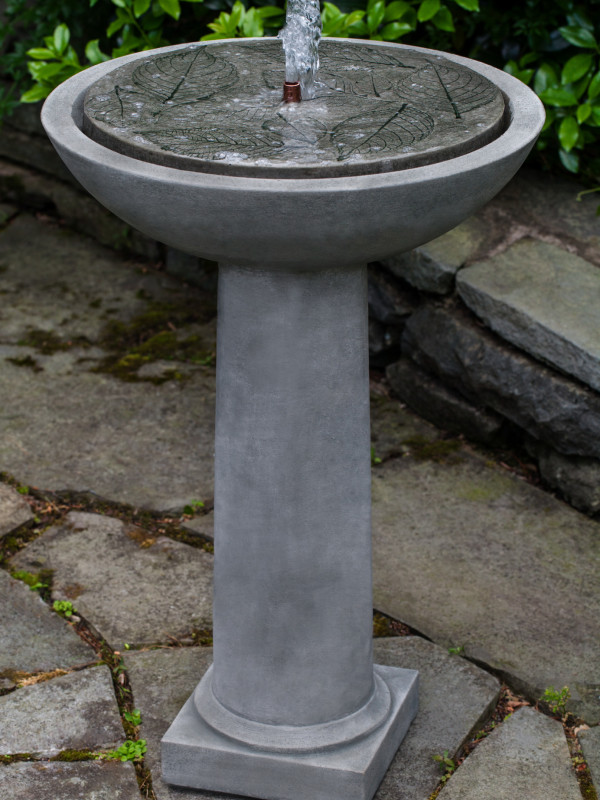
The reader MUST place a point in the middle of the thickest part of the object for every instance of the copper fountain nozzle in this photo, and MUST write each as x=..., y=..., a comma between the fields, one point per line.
x=291, y=92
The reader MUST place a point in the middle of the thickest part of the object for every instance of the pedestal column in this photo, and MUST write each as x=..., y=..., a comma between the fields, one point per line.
x=292, y=706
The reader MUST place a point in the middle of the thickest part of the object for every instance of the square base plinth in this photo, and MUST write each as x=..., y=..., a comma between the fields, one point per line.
x=195, y=756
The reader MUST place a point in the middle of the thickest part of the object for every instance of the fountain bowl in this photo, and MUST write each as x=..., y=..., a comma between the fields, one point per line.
x=293, y=223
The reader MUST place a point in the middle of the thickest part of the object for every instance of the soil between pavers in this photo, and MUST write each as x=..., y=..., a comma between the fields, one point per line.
x=455, y=697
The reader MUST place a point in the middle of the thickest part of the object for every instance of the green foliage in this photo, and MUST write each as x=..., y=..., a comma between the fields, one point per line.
x=30, y=579
x=192, y=507
x=374, y=459
x=128, y=751
x=556, y=699
x=63, y=607
x=456, y=651
x=133, y=717
x=447, y=765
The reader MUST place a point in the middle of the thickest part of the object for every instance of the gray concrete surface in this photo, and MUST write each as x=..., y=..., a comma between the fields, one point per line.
x=543, y=300
x=14, y=511
x=132, y=587
x=76, y=711
x=33, y=638
x=54, y=780
x=471, y=556
x=590, y=745
x=526, y=757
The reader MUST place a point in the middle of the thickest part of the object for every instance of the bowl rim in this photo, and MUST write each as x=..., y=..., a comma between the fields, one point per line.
x=525, y=109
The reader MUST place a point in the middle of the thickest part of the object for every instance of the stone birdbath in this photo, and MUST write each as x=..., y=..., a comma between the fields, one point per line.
x=193, y=146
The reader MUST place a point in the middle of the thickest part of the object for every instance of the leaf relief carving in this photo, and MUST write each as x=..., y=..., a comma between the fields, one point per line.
x=441, y=87
x=383, y=126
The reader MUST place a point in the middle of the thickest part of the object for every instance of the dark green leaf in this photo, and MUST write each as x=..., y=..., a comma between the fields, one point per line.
x=469, y=5
x=576, y=67
x=594, y=87
x=394, y=30
x=428, y=9
x=40, y=53
x=545, y=77
x=140, y=7
x=395, y=10
x=61, y=38
x=568, y=133
x=443, y=20
x=559, y=96
x=583, y=112
x=578, y=36
x=569, y=160
x=115, y=26
x=93, y=53
x=171, y=7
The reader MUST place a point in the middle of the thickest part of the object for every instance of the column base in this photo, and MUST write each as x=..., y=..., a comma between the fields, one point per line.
x=196, y=756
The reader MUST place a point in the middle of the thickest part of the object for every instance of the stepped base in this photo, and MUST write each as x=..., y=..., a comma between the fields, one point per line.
x=195, y=756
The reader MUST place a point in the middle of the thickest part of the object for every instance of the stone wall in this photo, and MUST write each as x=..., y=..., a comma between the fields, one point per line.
x=491, y=331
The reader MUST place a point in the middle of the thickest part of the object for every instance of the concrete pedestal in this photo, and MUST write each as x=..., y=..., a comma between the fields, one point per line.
x=292, y=706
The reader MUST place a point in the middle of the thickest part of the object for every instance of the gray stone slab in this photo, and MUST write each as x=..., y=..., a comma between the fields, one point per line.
x=14, y=511
x=526, y=757
x=56, y=780
x=576, y=478
x=543, y=300
x=454, y=698
x=590, y=744
x=133, y=588
x=6, y=212
x=35, y=639
x=433, y=266
x=550, y=406
x=64, y=427
x=77, y=711
x=471, y=556
x=438, y=404
x=203, y=524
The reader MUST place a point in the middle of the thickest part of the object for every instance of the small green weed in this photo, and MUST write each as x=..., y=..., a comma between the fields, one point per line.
x=63, y=607
x=134, y=717
x=23, y=489
x=30, y=579
x=192, y=507
x=459, y=650
x=374, y=459
x=128, y=751
x=447, y=765
x=556, y=700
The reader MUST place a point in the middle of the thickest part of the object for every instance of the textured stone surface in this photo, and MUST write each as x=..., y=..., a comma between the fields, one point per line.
x=133, y=588
x=396, y=430
x=34, y=639
x=203, y=524
x=66, y=427
x=55, y=780
x=548, y=405
x=216, y=107
x=472, y=556
x=6, y=212
x=433, y=266
x=446, y=409
x=526, y=757
x=454, y=698
x=77, y=711
x=576, y=478
x=14, y=511
x=590, y=744
x=543, y=300
x=29, y=189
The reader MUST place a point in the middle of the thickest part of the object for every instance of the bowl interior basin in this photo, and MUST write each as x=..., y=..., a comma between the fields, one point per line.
x=301, y=220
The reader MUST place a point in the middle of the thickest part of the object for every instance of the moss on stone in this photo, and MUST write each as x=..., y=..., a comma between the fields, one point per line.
x=438, y=450
x=26, y=361
x=75, y=755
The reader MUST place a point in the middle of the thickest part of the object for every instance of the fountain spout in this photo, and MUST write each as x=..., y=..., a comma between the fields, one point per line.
x=300, y=37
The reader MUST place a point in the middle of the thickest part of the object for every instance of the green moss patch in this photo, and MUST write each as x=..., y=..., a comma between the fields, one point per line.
x=438, y=450
x=26, y=361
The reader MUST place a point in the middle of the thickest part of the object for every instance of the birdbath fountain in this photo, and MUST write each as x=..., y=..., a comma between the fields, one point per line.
x=391, y=147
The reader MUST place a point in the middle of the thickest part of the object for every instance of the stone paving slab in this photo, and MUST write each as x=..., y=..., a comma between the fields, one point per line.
x=64, y=427
x=14, y=511
x=55, y=780
x=590, y=744
x=455, y=696
x=433, y=266
x=33, y=638
x=77, y=711
x=542, y=299
x=6, y=212
x=132, y=587
x=472, y=556
x=526, y=757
